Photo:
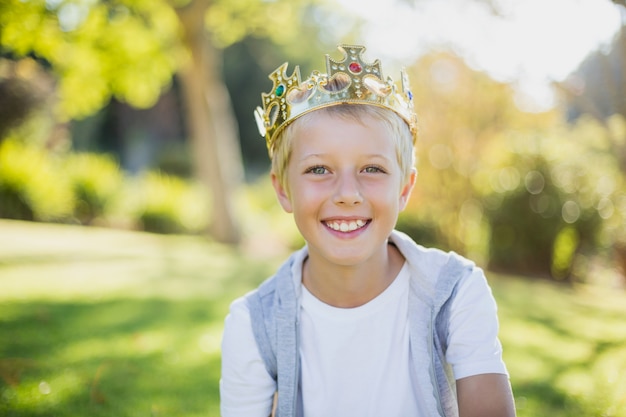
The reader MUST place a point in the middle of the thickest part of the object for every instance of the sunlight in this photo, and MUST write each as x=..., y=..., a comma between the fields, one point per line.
x=529, y=43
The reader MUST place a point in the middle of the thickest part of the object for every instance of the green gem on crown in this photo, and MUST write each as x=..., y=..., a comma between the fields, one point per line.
x=280, y=90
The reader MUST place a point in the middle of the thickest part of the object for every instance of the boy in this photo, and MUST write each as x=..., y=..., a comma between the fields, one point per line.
x=362, y=321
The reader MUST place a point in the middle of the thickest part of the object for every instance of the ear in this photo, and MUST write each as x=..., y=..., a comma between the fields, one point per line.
x=407, y=188
x=281, y=193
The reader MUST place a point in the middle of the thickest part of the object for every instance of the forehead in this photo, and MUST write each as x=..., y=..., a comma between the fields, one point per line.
x=326, y=129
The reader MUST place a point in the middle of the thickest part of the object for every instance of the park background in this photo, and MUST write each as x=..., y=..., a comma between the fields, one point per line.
x=135, y=203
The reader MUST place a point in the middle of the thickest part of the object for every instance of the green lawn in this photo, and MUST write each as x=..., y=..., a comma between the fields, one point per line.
x=97, y=322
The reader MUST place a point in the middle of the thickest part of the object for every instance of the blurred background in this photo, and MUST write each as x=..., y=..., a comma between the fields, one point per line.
x=122, y=117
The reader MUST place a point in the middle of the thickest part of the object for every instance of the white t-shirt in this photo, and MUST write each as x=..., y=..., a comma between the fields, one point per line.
x=357, y=361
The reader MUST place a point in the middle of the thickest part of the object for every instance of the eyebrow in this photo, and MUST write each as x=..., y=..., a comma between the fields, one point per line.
x=376, y=155
x=313, y=156
x=323, y=155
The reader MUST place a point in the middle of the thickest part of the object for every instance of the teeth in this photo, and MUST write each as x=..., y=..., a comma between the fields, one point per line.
x=346, y=226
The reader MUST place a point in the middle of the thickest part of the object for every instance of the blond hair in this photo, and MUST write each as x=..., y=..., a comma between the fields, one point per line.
x=398, y=130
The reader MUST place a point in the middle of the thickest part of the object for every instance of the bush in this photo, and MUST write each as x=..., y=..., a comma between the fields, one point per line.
x=32, y=184
x=37, y=185
x=96, y=181
x=545, y=195
x=529, y=225
x=167, y=204
x=422, y=231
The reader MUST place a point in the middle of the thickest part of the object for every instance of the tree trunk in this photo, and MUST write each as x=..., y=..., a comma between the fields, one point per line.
x=211, y=124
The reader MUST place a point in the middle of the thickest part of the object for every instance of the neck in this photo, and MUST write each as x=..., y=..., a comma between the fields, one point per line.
x=351, y=286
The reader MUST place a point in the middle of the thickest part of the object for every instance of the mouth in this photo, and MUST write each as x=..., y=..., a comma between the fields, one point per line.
x=346, y=226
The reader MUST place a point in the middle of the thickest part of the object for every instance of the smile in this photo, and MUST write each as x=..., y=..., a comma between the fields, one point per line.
x=346, y=226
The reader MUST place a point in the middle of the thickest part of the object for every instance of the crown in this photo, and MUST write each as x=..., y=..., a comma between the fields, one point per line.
x=351, y=80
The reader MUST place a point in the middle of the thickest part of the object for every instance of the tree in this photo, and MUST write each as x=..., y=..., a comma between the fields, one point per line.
x=460, y=113
x=129, y=49
x=525, y=192
x=214, y=140
x=597, y=89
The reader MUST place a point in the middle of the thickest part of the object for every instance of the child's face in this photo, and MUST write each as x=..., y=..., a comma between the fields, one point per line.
x=345, y=187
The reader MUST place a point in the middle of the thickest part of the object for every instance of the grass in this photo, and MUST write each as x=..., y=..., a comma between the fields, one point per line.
x=565, y=347
x=98, y=322
x=108, y=323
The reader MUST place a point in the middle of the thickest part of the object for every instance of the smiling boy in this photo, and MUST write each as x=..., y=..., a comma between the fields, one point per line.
x=362, y=321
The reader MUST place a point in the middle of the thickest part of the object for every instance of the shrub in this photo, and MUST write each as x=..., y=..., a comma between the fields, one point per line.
x=37, y=185
x=528, y=224
x=544, y=194
x=167, y=204
x=96, y=181
x=422, y=231
x=32, y=185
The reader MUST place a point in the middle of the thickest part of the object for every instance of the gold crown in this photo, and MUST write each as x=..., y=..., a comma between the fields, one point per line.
x=349, y=81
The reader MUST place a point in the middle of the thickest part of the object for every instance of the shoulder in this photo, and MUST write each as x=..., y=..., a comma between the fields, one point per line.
x=246, y=385
x=237, y=328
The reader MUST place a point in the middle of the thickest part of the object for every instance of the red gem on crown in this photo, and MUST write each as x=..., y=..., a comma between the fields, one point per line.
x=355, y=68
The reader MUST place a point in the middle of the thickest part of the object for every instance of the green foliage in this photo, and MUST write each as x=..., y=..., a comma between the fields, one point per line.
x=230, y=21
x=96, y=181
x=128, y=49
x=36, y=184
x=460, y=113
x=527, y=211
x=32, y=185
x=117, y=308
x=420, y=230
x=543, y=186
x=167, y=204
x=501, y=185
x=565, y=245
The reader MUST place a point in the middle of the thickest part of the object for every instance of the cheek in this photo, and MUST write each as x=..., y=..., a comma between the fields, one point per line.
x=384, y=190
x=305, y=196
x=389, y=196
x=309, y=199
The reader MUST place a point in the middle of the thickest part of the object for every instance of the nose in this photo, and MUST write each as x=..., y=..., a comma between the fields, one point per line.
x=347, y=190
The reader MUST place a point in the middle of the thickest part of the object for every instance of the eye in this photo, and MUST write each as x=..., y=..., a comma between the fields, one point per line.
x=317, y=170
x=373, y=169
